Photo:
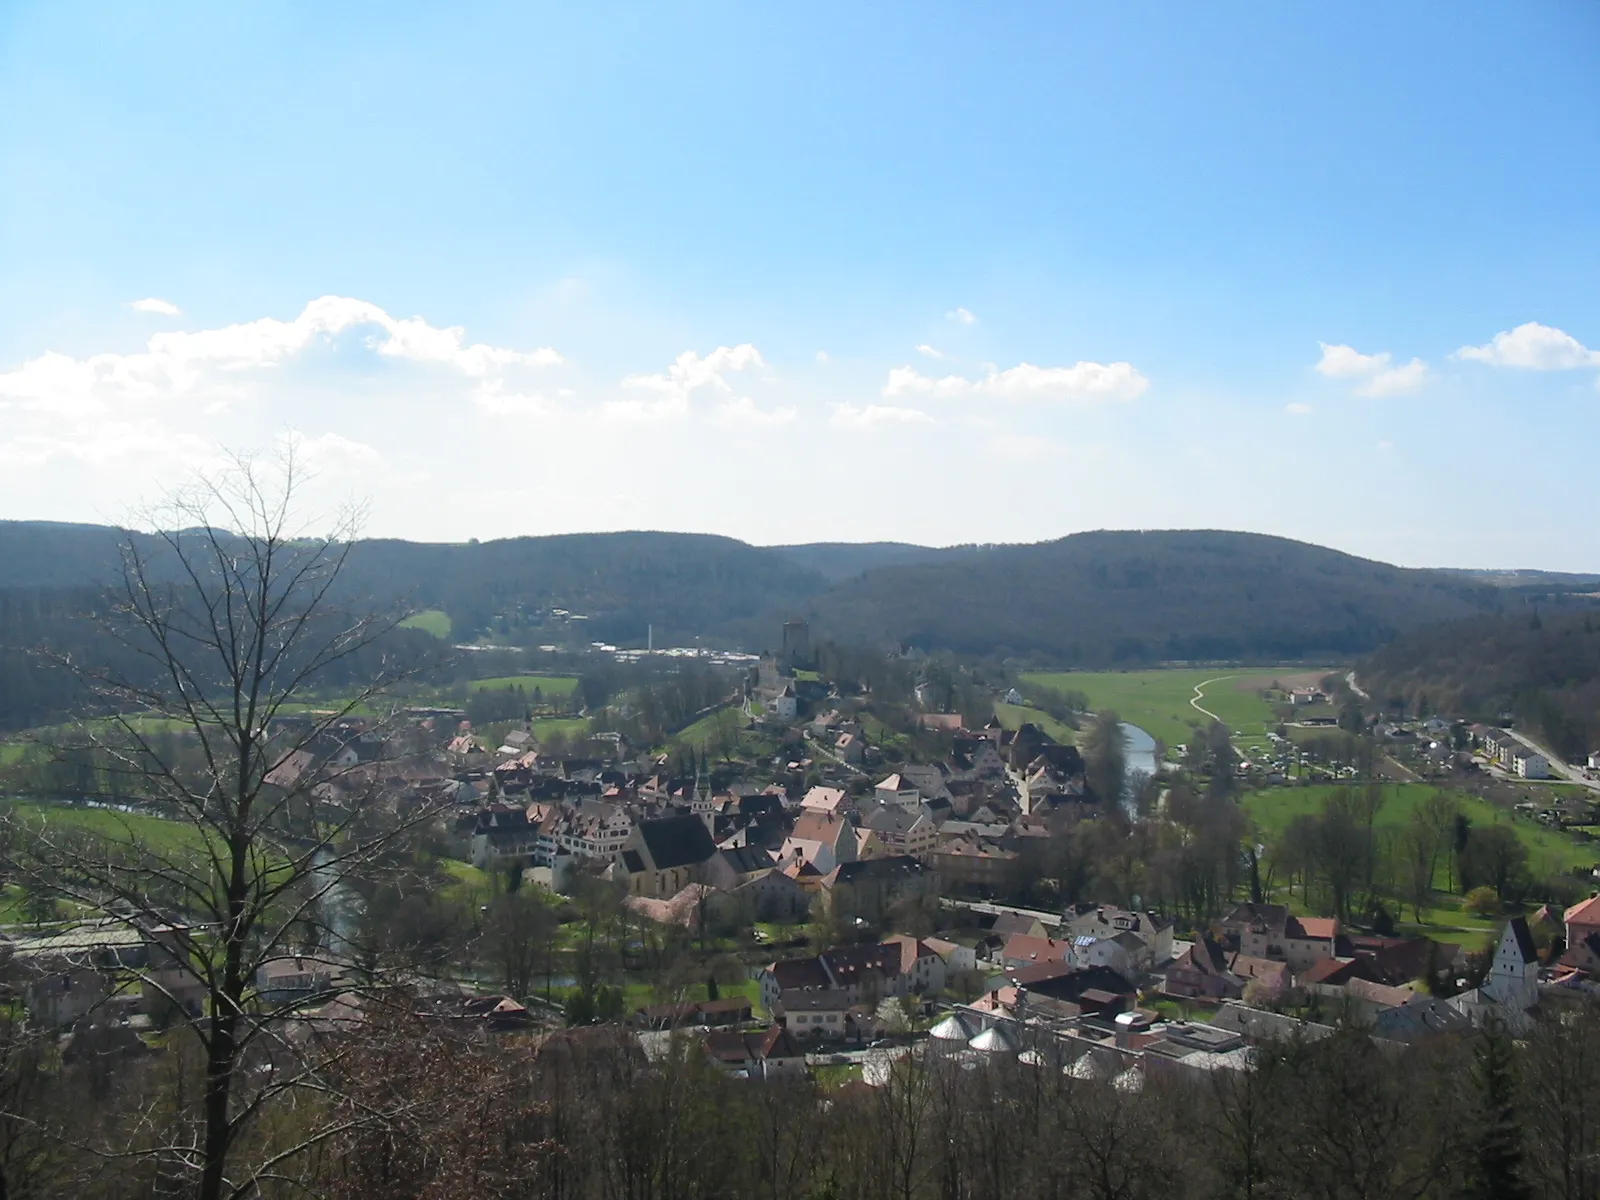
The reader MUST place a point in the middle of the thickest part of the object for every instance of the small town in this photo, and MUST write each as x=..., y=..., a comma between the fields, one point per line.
x=830, y=883
x=818, y=602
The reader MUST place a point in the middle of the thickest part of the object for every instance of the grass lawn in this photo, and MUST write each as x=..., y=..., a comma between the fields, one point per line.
x=158, y=833
x=550, y=685
x=836, y=1075
x=725, y=723
x=1013, y=716
x=434, y=620
x=465, y=880
x=1550, y=852
x=1159, y=701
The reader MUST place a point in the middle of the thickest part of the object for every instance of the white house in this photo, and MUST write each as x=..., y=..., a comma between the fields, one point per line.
x=898, y=792
x=1529, y=763
x=786, y=705
x=1512, y=986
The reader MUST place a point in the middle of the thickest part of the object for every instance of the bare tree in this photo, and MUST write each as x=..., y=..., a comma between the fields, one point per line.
x=233, y=618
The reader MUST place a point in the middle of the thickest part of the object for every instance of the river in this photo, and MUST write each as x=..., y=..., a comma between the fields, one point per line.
x=1139, y=750
x=341, y=906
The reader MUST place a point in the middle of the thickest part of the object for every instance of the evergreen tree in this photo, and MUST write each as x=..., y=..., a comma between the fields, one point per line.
x=1495, y=1171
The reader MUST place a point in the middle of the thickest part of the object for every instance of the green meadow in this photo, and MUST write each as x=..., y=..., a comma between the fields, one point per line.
x=1163, y=702
x=550, y=685
x=1550, y=852
x=434, y=620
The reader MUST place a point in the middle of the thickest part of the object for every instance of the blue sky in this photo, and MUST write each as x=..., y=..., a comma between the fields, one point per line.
x=933, y=273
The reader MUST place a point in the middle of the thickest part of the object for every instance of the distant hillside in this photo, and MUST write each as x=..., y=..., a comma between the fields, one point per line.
x=1105, y=599
x=686, y=585
x=1121, y=598
x=842, y=560
x=1543, y=668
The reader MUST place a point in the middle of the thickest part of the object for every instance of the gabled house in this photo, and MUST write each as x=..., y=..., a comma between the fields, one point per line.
x=503, y=834
x=1201, y=972
x=763, y=1054
x=904, y=831
x=822, y=839
x=663, y=856
x=1272, y=931
x=896, y=791
x=1108, y=921
x=1582, y=919
x=834, y=801
x=1025, y=950
x=1512, y=985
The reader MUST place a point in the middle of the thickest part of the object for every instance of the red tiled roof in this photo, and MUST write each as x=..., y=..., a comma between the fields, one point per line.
x=1585, y=912
x=1321, y=928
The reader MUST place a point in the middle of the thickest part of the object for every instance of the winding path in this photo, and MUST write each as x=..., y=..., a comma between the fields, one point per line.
x=1199, y=695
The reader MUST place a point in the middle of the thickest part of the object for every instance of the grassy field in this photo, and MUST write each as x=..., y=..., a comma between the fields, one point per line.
x=435, y=621
x=159, y=834
x=1549, y=851
x=1159, y=701
x=725, y=722
x=550, y=685
x=1013, y=716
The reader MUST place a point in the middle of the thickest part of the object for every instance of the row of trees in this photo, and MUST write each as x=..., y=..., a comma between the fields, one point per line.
x=1342, y=861
x=415, y=1109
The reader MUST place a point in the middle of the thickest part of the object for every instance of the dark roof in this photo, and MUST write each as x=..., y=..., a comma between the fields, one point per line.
x=893, y=867
x=677, y=841
x=1525, y=946
x=500, y=816
x=1207, y=956
x=1072, y=984
x=745, y=859
x=632, y=861
x=1272, y=916
x=1410, y=1022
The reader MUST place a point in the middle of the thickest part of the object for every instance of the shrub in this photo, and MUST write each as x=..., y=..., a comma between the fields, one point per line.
x=1483, y=902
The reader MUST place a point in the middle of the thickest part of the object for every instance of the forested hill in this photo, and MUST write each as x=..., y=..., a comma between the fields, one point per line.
x=1543, y=668
x=843, y=560
x=1093, y=599
x=1119, y=598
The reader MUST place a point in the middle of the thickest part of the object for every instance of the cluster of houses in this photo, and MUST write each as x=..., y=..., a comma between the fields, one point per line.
x=683, y=850
x=1511, y=753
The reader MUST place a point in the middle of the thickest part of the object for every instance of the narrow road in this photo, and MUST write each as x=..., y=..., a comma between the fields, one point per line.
x=1199, y=695
x=1558, y=766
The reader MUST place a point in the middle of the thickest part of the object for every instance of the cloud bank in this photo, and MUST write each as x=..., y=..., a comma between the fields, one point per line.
x=1376, y=376
x=1083, y=383
x=1533, y=347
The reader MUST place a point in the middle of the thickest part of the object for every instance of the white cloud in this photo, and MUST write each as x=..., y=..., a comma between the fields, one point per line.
x=1397, y=381
x=1377, y=376
x=178, y=362
x=930, y=351
x=742, y=410
x=823, y=357
x=688, y=373
x=1344, y=362
x=1021, y=447
x=160, y=308
x=494, y=401
x=848, y=416
x=332, y=449
x=961, y=317
x=1534, y=347
x=1081, y=383
x=1385, y=447
x=165, y=408
x=1297, y=409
